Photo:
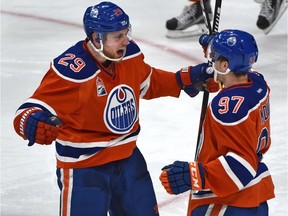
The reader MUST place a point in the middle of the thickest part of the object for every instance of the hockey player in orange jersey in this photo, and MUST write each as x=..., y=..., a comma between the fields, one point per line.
x=88, y=101
x=229, y=176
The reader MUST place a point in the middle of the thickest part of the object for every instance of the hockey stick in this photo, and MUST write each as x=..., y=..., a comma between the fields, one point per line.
x=205, y=98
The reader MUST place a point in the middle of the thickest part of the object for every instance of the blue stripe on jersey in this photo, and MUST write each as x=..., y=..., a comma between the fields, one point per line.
x=135, y=133
x=242, y=173
x=261, y=173
x=68, y=151
x=29, y=105
x=261, y=169
x=74, y=152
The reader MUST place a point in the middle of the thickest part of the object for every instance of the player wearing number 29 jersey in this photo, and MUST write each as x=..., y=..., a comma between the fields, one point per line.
x=99, y=111
x=88, y=102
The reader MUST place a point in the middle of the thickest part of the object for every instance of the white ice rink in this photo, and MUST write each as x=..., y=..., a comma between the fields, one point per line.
x=33, y=32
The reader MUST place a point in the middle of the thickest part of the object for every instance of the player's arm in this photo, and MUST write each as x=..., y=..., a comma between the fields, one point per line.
x=191, y=79
x=224, y=176
x=36, y=119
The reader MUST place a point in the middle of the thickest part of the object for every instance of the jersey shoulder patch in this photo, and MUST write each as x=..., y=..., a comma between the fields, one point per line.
x=75, y=64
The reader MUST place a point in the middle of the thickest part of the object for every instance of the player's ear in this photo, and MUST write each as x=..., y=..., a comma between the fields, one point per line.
x=95, y=40
x=225, y=65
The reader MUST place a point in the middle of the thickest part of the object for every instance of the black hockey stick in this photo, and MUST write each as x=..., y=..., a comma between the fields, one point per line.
x=211, y=30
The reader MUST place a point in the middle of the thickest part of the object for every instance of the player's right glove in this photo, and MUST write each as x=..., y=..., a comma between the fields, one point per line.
x=193, y=79
x=37, y=126
x=182, y=176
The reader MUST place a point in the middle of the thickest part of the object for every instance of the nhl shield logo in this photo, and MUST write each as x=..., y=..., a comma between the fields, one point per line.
x=101, y=91
x=120, y=112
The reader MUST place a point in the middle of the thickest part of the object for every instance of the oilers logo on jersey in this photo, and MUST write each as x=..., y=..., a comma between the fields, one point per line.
x=120, y=112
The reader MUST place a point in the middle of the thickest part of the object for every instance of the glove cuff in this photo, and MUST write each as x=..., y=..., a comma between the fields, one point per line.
x=197, y=176
x=183, y=76
x=21, y=119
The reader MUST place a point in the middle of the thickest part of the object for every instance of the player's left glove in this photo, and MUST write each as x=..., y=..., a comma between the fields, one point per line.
x=182, y=176
x=204, y=41
x=194, y=79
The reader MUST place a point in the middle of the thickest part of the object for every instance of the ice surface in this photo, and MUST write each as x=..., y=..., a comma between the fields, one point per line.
x=33, y=32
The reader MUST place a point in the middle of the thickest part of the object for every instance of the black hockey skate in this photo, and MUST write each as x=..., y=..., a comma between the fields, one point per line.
x=189, y=23
x=271, y=12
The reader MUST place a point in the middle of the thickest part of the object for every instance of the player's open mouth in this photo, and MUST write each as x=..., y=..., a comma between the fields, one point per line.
x=120, y=52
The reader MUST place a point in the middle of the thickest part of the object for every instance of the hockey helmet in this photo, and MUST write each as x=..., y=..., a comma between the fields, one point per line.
x=103, y=18
x=238, y=47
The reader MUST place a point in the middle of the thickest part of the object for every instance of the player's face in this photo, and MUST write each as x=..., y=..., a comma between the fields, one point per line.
x=220, y=68
x=115, y=44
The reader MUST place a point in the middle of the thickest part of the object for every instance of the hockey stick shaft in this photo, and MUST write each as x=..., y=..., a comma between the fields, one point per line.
x=217, y=13
x=205, y=98
x=206, y=15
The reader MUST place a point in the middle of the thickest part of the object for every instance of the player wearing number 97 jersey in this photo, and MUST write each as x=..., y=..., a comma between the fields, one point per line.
x=229, y=176
x=236, y=134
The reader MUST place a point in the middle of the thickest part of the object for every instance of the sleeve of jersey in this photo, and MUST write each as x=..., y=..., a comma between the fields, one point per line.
x=55, y=95
x=232, y=171
x=159, y=83
x=63, y=83
x=228, y=174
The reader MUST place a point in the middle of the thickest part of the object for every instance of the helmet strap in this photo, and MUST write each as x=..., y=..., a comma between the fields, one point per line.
x=216, y=72
x=101, y=52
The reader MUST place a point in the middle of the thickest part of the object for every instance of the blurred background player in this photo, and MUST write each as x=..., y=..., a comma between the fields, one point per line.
x=271, y=12
x=191, y=18
x=191, y=23
x=229, y=176
x=88, y=101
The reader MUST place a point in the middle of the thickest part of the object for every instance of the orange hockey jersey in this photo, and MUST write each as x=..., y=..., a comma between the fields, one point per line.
x=236, y=134
x=98, y=106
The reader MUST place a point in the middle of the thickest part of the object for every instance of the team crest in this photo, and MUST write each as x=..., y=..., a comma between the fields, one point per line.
x=120, y=112
x=101, y=91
